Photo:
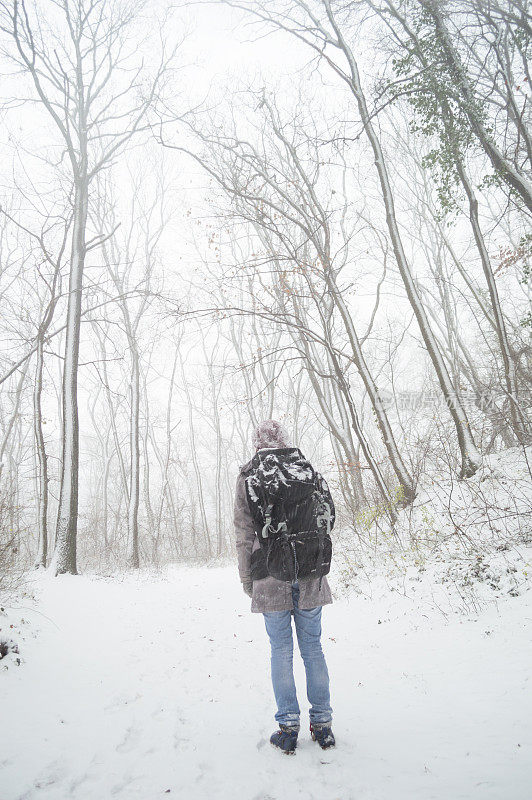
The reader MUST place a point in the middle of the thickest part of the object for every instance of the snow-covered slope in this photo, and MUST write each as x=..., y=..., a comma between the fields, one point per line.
x=469, y=543
x=144, y=686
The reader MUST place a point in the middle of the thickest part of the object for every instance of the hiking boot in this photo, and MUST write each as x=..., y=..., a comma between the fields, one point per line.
x=322, y=734
x=285, y=739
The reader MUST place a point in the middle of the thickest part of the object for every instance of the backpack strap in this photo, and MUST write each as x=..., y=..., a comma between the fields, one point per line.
x=267, y=521
x=323, y=520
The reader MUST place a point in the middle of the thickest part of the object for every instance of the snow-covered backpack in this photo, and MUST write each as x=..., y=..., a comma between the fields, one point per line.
x=293, y=515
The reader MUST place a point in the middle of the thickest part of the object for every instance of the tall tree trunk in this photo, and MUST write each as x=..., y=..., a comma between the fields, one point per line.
x=103, y=439
x=112, y=406
x=351, y=460
x=339, y=430
x=353, y=414
x=383, y=423
x=215, y=390
x=134, y=466
x=389, y=500
x=146, y=464
x=218, y=487
x=105, y=499
x=195, y=463
x=236, y=338
x=464, y=360
x=64, y=559
x=518, y=420
x=42, y=460
x=167, y=484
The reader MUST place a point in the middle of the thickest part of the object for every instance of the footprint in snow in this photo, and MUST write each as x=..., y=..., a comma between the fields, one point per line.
x=55, y=774
x=130, y=740
x=121, y=700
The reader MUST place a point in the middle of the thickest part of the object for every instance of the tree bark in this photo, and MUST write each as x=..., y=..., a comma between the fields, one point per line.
x=42, y=461
x=64, y=559
x=134, y=467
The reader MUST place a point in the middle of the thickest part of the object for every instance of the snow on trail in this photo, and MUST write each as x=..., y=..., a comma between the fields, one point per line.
x=143, y=687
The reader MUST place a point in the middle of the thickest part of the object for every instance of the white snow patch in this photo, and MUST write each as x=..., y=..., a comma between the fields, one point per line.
x=141, y=686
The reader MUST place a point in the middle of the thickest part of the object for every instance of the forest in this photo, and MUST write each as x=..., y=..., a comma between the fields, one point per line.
x=350, y=254
x=222, y=212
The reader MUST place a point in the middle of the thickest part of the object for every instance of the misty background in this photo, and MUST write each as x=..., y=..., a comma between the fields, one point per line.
x=218, y=213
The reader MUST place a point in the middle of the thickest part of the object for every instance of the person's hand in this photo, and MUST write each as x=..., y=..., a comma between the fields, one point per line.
x=248, y=588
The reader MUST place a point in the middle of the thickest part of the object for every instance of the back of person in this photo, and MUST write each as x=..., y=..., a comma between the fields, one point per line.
x=283, y=517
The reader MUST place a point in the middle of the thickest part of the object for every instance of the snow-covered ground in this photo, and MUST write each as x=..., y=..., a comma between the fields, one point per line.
x=141, y=686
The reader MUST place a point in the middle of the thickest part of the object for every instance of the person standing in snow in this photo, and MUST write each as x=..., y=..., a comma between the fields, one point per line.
x=279, y=600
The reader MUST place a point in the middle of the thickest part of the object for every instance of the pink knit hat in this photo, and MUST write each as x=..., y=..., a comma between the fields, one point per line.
x=269, y=434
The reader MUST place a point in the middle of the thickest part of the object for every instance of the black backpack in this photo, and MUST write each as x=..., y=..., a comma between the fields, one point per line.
x=293, y=515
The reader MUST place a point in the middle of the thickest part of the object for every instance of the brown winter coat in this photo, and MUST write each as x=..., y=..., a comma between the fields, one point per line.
x=269, y=594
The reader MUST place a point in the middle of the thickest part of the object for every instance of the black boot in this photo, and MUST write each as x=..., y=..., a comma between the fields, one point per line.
x=322, y=734
x=285, y=739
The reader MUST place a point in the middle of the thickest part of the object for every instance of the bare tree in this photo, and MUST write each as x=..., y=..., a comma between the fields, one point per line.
x=122, y=251
x=275, y=185
x=329, y=29
x=433, y=96
x=88, y=84
x=512, y=169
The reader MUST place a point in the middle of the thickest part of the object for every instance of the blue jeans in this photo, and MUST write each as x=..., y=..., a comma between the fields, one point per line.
x=308, y=630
